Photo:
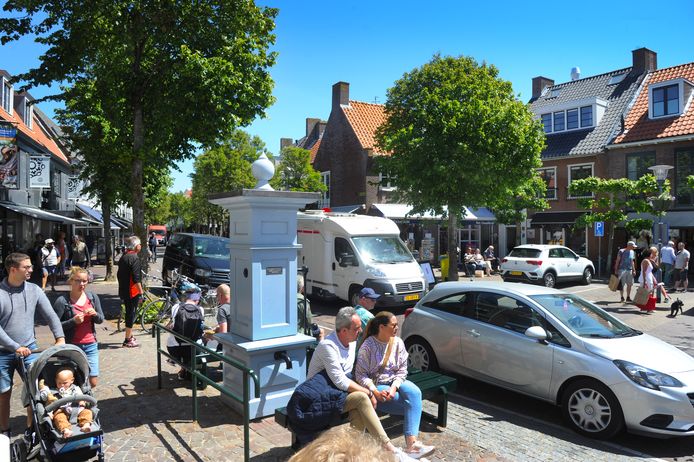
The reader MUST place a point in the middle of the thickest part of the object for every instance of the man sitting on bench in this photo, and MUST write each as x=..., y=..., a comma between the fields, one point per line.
x=335, y=355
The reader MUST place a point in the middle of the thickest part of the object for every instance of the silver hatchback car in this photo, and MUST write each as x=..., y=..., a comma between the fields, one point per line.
x=559, y=348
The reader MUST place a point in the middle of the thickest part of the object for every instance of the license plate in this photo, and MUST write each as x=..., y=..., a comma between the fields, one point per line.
x=409, y=298
x=516, y=273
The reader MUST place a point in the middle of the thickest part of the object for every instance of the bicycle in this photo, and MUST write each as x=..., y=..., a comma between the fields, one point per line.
x=153, y=307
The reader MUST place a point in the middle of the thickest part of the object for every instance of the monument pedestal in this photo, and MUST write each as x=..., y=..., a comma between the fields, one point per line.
x=277, y=382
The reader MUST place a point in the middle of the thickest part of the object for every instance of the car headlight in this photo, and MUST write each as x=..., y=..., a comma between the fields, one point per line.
x=372, y=270
x=646, y=377
x=203, y=272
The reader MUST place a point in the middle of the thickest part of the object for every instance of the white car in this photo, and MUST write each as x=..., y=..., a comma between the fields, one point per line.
x=545, y=264
x=558, y=347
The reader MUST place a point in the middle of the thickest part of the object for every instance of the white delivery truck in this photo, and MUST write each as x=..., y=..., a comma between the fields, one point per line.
x=345, y=252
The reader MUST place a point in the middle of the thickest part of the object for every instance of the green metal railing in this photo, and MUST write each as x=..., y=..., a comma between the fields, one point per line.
x=197, y=376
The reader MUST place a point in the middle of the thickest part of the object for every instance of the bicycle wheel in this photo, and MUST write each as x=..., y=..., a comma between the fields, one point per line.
x=149, y=311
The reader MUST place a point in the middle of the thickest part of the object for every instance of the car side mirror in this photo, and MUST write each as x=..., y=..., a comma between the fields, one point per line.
x=536, y=332
x=346, y=260
x=576, y=257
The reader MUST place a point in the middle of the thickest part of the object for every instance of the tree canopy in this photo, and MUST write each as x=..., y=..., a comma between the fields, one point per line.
x=222, y=169
x=609, y=200
x=179, y=74
x=457, y=136
x=295, y=173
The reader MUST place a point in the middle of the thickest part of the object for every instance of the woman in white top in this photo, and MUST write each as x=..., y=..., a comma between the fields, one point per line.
x=647, y=279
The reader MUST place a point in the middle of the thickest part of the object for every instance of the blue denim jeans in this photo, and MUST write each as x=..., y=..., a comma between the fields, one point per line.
x=667, y=273
x=408, y=403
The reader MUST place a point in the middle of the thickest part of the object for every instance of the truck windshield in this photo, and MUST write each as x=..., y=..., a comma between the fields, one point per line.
x=382, y=249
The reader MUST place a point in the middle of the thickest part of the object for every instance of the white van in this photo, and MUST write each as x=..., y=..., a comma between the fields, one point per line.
x=345, y=252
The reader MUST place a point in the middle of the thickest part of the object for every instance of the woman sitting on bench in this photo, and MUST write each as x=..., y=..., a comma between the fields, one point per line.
x=382, y=368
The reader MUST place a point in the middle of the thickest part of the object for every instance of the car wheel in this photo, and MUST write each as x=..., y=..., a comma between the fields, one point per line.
x=592, y=410
x=549, y=279
x=587, y=276
x=421, y=356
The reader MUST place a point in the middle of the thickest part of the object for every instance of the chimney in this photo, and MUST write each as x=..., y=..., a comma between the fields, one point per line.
x=539, y=84
x=340, y=94
x=644, y=60
x=284, y=142
x=310, y=124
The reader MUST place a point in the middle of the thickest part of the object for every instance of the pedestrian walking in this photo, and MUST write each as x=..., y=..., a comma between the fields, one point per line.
x=152, y=247
x=50, y=258
x=130, y=286
x=681, y=268
x=80, y=252
x=625, y=269
x=61, y=246
x=79, y=312
x=667, y=262
x=19, y=301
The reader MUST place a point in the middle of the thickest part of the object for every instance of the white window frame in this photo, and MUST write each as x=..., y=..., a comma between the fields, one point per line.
x=568, y=175
x=556, y=186
x=387, y=186
x=598, y=107
x=7, y=86
x=683, y=104
x=28, y=114
x=325, y=195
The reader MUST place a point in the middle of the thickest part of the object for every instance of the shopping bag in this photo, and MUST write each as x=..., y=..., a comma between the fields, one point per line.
x=641, y=297
x=614, y=283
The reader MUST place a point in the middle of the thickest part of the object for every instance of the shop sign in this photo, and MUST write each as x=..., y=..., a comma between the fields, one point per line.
x=39, y=172
x=74, y=187
x=9, y=160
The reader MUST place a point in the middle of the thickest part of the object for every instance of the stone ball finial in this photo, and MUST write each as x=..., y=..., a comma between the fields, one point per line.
x=263, y=170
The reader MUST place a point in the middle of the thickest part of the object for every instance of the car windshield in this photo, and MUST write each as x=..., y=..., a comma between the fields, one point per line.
x=524, y=252
x=212, y=247
x=382, y=249
x=582, y=317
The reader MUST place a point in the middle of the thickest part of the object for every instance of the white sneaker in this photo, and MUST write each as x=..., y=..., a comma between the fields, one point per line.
x=419, y=450
x=402, y=456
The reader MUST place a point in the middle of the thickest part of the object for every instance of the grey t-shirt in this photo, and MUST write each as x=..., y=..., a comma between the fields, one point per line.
x=682, y=259
x=224, y=314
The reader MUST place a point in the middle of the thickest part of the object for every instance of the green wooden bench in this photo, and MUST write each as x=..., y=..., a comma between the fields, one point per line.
x=434, y=387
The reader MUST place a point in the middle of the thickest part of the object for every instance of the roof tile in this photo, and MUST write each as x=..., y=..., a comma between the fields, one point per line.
x=637, y=125
x=365, y=118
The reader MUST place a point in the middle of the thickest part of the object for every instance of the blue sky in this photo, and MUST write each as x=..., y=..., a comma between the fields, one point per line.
x=372, y=44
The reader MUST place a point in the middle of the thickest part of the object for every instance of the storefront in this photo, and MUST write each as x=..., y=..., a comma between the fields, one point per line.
x=558, y=228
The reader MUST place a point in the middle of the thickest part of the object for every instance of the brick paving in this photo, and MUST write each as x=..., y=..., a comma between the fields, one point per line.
x=143, y=423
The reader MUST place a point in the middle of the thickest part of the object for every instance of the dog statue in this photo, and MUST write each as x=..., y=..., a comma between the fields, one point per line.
x=676, y=306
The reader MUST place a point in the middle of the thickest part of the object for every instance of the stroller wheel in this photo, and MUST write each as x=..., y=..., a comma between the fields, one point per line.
x=19, y=451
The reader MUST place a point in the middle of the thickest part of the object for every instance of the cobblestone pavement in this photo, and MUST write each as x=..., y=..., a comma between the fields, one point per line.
x=144, y=423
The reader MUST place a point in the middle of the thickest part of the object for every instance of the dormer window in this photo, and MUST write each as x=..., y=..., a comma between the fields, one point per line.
x=573, y=115
x=7, y=96
x=668, y=99
x=24, y=109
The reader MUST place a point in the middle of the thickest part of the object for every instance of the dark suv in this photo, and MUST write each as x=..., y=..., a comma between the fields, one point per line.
x=202, y=257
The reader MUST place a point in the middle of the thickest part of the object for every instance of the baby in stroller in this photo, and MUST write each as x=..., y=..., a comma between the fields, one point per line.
x=65, y=382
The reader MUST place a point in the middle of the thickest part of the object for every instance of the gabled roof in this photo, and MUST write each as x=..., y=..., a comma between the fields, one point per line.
x=38, y=133
x=365, y=118
x=592, y=140
x=637, y=125
x=314, y=150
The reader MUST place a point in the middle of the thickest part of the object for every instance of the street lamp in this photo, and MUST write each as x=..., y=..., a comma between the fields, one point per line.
x=660, y=205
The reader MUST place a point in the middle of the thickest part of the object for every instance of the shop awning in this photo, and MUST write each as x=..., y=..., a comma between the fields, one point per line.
x=674, y=218
x=402, y=212
x=38, y=213
x=555, y=218
x=96, y=216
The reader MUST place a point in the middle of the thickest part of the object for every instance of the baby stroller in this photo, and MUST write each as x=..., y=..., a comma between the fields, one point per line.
x=48, y=444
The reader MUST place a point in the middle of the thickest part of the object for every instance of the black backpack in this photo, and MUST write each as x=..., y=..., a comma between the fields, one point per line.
x=189, y=321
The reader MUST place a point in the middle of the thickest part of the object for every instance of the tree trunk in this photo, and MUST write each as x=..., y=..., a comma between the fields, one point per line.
x=138, y=197
x=106, y=210
x=610, y=240
x=452, y=246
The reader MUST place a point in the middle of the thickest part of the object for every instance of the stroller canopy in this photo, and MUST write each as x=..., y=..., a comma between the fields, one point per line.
x=68, y=352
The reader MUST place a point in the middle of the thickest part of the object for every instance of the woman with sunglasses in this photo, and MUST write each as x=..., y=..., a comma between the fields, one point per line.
x=79, y=311
x=382, y=368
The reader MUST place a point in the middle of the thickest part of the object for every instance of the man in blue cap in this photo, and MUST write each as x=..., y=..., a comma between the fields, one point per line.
x=367, y=302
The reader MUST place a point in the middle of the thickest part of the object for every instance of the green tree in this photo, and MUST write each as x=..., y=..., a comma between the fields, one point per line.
x=457, y=136
x=295, y=173
x=157, y=195
x=609, y=199
x=512, y=208
x=181, y=216
x=222, y=169
x=89, y=135
x=181, y=74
